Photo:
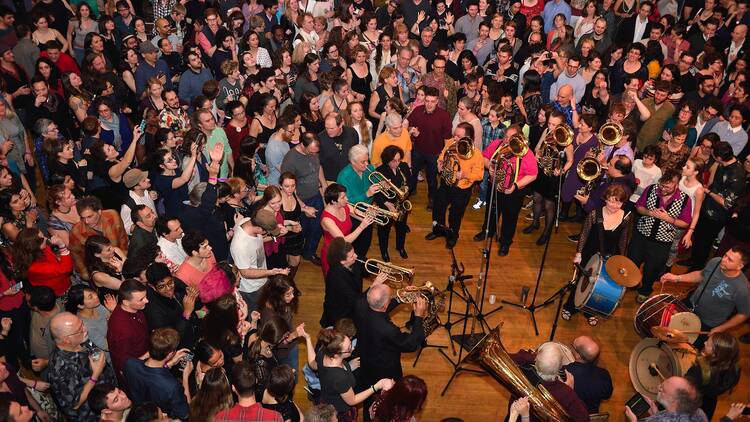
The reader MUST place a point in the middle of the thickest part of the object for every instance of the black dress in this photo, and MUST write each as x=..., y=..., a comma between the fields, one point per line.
x=294, y=242
x=362, y=86
x=711, y=383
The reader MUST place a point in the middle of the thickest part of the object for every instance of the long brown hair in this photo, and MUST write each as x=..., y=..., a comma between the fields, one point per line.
x=219, y=327
x=214, y=396
x=272, y=296
x=26, y=250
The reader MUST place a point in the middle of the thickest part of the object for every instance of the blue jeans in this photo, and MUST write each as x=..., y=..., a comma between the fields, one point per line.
x=311, y=226
x=483, y=186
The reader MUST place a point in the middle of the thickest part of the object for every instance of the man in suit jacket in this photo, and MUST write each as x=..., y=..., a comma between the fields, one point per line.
x=698, y=41
x=380, y=342
x=739, y=44
x=595, y=383
x=636, y=27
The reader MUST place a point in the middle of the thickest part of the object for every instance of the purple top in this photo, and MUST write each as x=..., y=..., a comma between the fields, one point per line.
x=686, y=214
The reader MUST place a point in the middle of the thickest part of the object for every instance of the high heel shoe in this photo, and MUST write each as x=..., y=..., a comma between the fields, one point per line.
x=530, y=228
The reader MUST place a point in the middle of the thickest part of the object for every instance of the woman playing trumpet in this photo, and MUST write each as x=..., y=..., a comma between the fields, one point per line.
x=336, y=220
x=398, y=173
x=583, y=142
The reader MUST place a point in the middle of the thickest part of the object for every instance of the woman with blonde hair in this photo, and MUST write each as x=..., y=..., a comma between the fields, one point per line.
x=355, y=118
x=400, y=35
x=300, y=51
x=152, y=96
x=465, y=113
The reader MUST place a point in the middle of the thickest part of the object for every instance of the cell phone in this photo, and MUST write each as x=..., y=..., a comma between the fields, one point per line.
x=185, y=359
x=142, y=125
x=18, y=286
x=638, y=405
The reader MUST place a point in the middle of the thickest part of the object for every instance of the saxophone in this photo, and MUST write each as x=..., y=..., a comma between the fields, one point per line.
x=435, y=303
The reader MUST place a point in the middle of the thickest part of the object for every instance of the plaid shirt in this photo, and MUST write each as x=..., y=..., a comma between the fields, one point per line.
x=162, y=9
x=254, y=413
x=112, y=229
x=489, y=133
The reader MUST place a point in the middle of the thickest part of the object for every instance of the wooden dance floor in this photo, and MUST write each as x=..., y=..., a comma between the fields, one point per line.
x=480, y=397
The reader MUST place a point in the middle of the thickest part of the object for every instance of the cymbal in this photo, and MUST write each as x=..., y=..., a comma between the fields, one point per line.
x=669, y=335
x=623, y=271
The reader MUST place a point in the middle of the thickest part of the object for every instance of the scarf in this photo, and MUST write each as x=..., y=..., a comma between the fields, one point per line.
x=114, y=126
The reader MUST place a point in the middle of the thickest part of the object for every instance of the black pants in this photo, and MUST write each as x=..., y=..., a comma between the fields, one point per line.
x=362, y=243
x=509, y=207
x=455, y=198
x=428, y=162
x=384, y=233
x=705, y=233
x=653, y=255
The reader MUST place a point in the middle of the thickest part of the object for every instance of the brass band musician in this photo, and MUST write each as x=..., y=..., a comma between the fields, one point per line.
x=455, y=193
x=397, y=171
x=522, y=172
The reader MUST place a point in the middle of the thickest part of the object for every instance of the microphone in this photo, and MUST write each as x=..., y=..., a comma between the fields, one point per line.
x=524, y=295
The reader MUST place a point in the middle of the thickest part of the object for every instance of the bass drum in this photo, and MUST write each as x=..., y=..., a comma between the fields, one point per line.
x=598, y=293
x=657, y=311
x=651, y=359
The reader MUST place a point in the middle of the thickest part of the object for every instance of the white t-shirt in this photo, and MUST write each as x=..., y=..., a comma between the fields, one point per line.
x=125, y=209
x=172, y=250
x=646, y=177
x=247, y=252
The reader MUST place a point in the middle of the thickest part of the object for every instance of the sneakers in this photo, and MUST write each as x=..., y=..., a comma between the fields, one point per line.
x=479, y=204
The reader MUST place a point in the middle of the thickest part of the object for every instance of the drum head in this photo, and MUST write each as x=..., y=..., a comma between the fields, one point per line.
x=567, y=354
x=649, y=352
x=686, y=321
x=651, y=312
x=586, y=284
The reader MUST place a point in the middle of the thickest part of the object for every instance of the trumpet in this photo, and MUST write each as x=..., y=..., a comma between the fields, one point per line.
x=380, y=216
x=390, y=190
x=396, y=277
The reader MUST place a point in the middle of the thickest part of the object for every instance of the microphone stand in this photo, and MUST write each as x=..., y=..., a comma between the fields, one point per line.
x=533, y=307
x=457, y=271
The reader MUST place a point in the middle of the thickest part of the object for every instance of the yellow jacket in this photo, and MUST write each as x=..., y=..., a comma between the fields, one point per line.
x=472, y=169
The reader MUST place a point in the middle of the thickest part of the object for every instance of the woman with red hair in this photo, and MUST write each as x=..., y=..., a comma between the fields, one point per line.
x=402, y=402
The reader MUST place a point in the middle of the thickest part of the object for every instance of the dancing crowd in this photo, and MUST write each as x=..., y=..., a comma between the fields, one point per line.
x=165, y=167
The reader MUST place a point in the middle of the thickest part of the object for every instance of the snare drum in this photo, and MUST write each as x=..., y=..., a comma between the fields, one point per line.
x=598, y=293
x=652, y=359
x=657, y=311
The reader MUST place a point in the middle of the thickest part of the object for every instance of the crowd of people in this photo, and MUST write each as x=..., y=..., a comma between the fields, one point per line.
x=165, y=167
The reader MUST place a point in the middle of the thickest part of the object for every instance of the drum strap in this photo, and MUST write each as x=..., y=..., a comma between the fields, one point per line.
x=600, y=229
x=703, y=290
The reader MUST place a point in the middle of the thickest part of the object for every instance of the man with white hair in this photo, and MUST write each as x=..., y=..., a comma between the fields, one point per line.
x=380, y=341
x=546, y=364
x=680, y=400
x=355, y=177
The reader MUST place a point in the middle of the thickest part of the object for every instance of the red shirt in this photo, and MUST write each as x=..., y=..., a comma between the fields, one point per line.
x=65, y=63
x=528, y=162
x=434, y=129
x=127, y=336
x=51, y=271
x=254, y=413
x=235, y=137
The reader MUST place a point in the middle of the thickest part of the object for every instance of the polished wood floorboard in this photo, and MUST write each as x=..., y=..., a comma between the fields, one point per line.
x=480, y=398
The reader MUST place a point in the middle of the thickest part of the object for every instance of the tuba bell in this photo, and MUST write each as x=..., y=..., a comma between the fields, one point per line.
x=435, y=303
x=491, y=354
x=517, y=146
x=609, y=134
x=463, y=149
x=396, y=277
x=553, y=143
x=588, y=170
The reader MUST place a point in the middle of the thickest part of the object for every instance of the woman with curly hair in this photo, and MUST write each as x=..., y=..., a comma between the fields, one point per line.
x=214, y=395
x=402, y=402
x=104, y=264
x=35, y=261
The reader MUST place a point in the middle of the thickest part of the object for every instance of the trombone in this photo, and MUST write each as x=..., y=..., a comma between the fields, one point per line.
x=396, y=277
x=390, y=190
x=380, y=216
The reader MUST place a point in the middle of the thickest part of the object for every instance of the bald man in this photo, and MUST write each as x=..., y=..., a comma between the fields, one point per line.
x=680, y=400
x=594, y=383
x=164, y=30
x=565, y=102
x=73, y=371
x=738, y=46
x=380, y=341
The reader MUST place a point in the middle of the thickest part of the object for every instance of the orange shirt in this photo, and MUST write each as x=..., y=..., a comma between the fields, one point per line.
x=472, y=169
x=385, y=139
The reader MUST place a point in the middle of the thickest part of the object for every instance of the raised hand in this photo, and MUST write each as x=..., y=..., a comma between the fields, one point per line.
x=217, y=153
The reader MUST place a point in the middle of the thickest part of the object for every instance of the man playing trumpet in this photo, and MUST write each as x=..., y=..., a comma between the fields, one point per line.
x=460, y=167
x=521, y=171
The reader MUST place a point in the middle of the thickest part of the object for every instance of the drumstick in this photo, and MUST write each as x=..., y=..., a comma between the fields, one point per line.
x=696, y=332
x=653, y=366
